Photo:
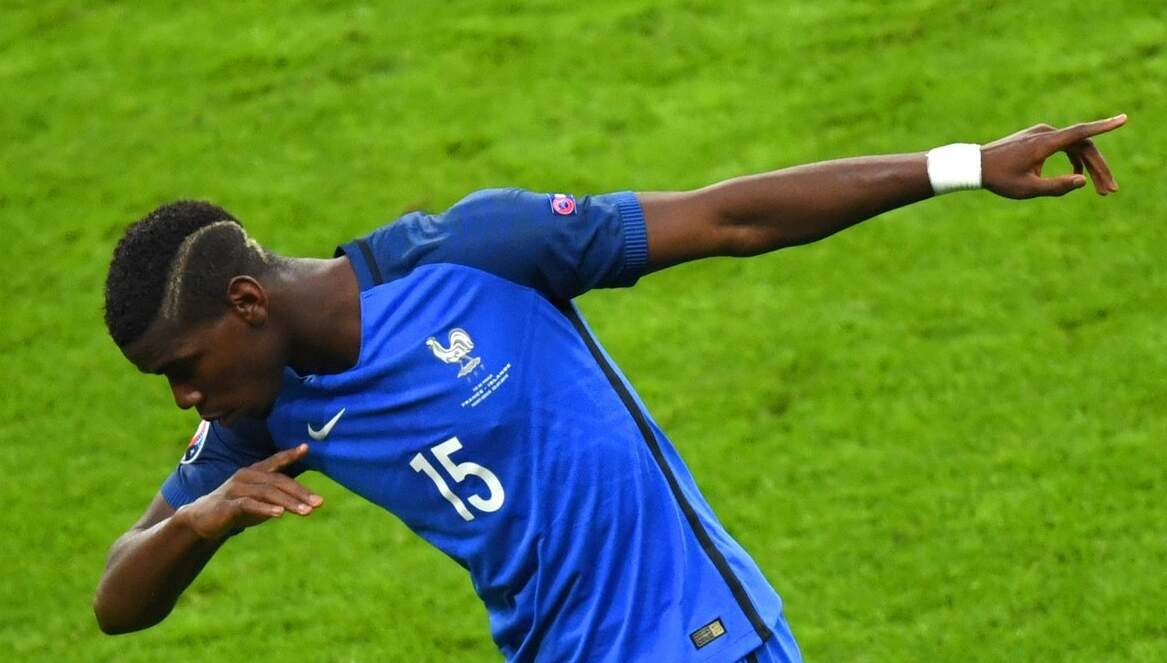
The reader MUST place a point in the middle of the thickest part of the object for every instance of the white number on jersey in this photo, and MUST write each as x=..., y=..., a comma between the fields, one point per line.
x=459, y=471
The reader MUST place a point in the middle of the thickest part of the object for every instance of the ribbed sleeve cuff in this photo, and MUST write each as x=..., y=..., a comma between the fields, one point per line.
x=174, y=495
x=635, y=236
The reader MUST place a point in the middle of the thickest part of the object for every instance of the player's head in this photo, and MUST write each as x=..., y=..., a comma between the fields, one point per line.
x=184, y=297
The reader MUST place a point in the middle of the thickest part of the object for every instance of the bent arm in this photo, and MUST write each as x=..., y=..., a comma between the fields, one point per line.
x=152, y=564
x=755, y=214
x=148, y=568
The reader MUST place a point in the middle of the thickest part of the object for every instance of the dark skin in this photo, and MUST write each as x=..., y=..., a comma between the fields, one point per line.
x=226, y=369
x=306, y=314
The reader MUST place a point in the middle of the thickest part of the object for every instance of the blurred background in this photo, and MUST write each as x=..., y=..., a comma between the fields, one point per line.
x=942, y=434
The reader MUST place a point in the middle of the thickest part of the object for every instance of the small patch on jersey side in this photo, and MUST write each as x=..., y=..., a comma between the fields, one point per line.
x=562, y=204
x=196, y=443
x=708, y=633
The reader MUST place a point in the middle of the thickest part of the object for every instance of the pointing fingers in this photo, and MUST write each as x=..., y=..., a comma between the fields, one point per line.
x=256, y=507
x=1088, y=154
x=281, y=460
x=1076, y=141
x=264, y=481
x=1077, y=133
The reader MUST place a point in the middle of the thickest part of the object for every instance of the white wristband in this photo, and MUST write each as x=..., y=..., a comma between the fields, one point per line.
x=955, y=167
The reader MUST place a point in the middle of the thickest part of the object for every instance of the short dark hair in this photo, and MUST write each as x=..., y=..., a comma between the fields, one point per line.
x=176, y=262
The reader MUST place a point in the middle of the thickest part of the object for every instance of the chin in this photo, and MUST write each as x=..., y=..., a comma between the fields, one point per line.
x=229, y=419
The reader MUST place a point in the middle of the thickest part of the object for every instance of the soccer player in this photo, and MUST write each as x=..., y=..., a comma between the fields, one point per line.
x=438, y=368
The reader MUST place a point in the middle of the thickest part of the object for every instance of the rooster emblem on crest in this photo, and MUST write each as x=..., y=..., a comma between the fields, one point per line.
x=457, y=353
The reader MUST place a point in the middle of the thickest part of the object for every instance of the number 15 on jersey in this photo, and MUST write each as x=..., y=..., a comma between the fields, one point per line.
x=458, y=472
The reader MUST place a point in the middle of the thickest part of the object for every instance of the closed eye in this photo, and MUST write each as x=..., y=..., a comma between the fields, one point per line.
x=179, y=369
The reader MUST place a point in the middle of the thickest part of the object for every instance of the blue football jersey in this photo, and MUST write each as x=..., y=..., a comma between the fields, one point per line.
x=485, y=415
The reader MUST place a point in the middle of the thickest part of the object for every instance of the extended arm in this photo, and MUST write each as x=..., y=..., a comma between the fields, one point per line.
x=156, y=560
x=759, y=213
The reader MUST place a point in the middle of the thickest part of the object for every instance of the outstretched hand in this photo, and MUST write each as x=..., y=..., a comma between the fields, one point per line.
x=1011, y=166
x=251, y=496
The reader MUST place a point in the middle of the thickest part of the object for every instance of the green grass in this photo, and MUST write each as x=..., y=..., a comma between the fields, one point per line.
x=942, y=434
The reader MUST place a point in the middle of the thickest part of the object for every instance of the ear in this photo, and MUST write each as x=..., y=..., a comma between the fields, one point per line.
x=248, y=300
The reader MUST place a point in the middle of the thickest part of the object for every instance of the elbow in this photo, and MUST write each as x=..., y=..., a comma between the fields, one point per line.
x=106, y=621
x=113, y=621
x=112, y=628
x=113, y=625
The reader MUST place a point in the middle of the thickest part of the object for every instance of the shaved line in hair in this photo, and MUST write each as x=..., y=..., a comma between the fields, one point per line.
x=172, y=296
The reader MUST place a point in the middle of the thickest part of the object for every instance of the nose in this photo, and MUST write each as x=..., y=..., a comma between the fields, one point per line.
x=186, y=396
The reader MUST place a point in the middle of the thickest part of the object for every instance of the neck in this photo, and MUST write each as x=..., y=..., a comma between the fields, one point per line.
x=319, y=300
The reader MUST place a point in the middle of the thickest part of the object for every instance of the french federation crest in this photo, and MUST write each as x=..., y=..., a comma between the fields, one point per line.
x=458, y=353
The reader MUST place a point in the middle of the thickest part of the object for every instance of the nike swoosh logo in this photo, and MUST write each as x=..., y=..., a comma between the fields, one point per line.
x=323, y=432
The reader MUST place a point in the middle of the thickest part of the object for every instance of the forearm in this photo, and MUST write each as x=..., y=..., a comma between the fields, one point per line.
x=152, y=564
x=146, y=572
x=807, y=203
x=749, y=215
x=755, y=214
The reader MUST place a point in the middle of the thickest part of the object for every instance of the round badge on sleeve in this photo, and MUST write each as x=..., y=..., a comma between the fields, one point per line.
x=196, y=443
x=563, y=204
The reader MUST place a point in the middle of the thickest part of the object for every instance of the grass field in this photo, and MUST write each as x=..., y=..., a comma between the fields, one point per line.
x=942, y=434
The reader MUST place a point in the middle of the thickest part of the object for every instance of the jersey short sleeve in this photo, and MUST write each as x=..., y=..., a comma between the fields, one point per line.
x=214, y=454
x=554, y=243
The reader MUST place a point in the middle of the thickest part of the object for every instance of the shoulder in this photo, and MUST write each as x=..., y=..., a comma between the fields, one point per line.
x=554, y=242
x=215, y=452
x=243, y=442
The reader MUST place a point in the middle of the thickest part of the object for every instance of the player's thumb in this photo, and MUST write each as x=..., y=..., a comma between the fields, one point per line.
x=1058, y=186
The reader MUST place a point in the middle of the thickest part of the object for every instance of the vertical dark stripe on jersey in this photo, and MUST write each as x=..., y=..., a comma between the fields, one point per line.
x=374, y=269
x=711, y=550
x=751, y=658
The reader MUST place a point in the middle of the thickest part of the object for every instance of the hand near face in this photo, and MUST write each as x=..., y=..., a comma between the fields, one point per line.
x=254, y=494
